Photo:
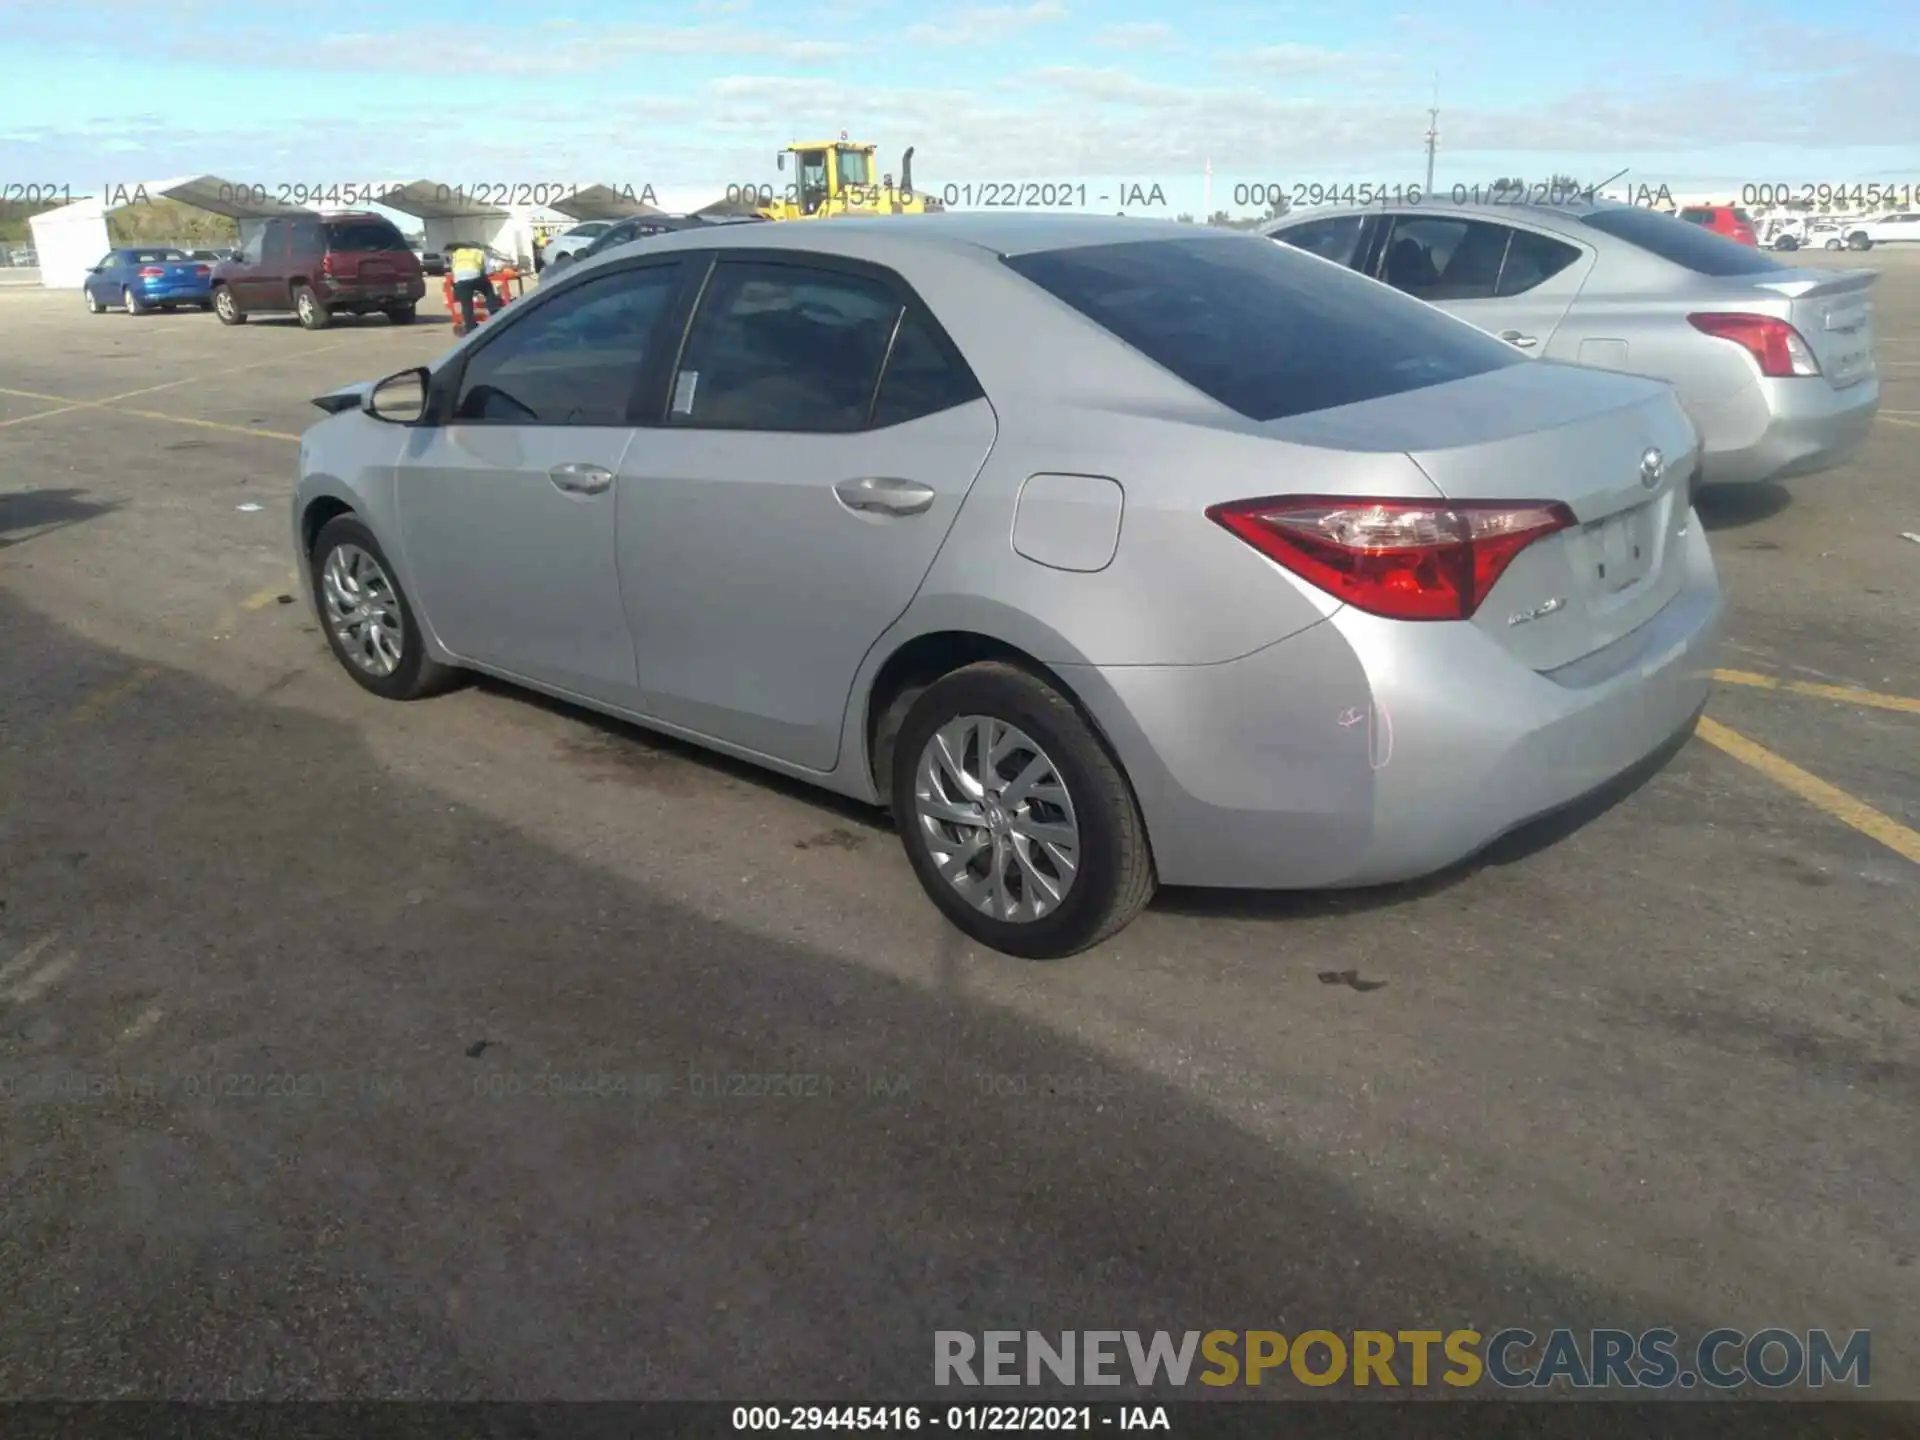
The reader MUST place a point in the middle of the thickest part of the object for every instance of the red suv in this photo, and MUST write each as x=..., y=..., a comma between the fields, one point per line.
x=318, y=267
x=1727, y=220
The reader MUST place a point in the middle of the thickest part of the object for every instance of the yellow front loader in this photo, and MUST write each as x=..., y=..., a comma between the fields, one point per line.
x=837, y=177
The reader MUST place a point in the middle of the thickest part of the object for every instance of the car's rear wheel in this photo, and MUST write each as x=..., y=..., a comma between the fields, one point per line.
x=313, y=314
x=228, y=308
x=130, y=304
x=402, y=314
x=370, y=626
x=1859, y=241
x=94, y=307
x=1836, y=243
x=1016, y=819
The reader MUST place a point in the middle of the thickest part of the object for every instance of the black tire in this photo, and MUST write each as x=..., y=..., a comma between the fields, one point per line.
x=559, y=262
x=1859, y=241
x=226, y=307
x=403, y=314
x=309, y=309
x=1836, y=243
x=131, y=305
x=418, y=675
x=1115, y=875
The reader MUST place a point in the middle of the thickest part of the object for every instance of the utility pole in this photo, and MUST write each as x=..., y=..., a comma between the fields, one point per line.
x=1433, y=133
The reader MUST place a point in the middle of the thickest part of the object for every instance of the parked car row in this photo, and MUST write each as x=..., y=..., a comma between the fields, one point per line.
x=1105, y=553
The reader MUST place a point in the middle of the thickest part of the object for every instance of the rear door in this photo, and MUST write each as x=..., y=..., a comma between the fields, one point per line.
x=1510, y=280
x=820, y=433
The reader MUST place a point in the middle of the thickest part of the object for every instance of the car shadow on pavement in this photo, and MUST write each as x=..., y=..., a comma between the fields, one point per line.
x=1515, y=847
x=350, y=1088
x=1728, y=507
x=28, y=514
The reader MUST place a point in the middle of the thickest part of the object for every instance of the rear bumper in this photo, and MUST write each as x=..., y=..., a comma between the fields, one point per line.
x=1779, y=429
x=174, y=294
x=1363, y=751
x=395, y=292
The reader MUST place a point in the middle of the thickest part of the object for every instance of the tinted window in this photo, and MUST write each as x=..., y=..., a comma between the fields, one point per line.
x=1531, y=260
x=573, y=361
x=1262, y=330
x=364, y=235
x=1678, y=243
x=1697, y=217
x=925, y=375
x=1334, y=239
x=1436, y=258
x=155, y=257
x=309, y=237
x=784, y=347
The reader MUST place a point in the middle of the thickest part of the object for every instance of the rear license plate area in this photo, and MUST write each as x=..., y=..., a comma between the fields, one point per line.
x=1619, y=549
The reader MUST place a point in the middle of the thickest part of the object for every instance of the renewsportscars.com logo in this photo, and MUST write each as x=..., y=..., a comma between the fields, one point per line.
x=1511, y=1359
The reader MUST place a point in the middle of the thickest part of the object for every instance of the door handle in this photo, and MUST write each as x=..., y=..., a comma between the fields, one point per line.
x=1519, y=341
x=581, y=479
x=884, y=495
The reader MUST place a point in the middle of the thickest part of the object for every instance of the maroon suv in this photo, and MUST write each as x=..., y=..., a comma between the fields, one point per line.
x=318, y=267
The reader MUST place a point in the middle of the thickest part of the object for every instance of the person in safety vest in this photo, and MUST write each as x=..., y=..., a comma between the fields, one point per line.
x=467, y=263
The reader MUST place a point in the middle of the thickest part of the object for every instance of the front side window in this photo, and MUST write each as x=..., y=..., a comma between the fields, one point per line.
x=573, y=361
x=784, y=347
x=1333, y=239
x=1260, y=329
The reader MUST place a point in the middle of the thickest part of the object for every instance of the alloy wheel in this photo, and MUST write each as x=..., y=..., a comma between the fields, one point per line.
x=994, y=813
x=223, y=302
x=363, y=610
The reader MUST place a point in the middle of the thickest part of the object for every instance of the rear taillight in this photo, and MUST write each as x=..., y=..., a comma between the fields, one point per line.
x=203, y=270
x=1775, y=344
x=1404, y=559
x=326, y=263
x=151, y=272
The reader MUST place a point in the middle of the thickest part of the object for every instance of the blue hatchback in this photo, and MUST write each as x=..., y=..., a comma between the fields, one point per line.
x=139, y=278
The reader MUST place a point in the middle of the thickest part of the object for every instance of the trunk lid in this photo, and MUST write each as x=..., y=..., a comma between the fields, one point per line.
x=1832, y=310
x=1546, y=431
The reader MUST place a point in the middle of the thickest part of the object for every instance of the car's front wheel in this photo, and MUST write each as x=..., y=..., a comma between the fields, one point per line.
x=1836, y=243
x=227, y=308
x=1017, y=820
x=370, y=625
x=1859, y=241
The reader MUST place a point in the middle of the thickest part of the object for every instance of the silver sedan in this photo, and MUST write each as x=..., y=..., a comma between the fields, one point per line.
x=1103, y=552
x=1774, y=364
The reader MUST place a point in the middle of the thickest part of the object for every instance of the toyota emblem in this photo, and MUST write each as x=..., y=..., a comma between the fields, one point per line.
x=1653, y=466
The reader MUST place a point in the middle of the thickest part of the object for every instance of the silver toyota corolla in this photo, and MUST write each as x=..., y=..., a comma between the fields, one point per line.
x=1774, y=364
x=1103, y=552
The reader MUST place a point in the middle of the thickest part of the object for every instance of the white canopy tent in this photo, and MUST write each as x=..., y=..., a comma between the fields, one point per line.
x=603, y=202
x=70, y=240
x=446, y=215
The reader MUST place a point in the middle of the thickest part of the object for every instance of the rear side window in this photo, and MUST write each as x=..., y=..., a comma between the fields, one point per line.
x=924, y=375
x=1533, y=259
x=1259, y=328
x=1678, y=243
x=364, y=235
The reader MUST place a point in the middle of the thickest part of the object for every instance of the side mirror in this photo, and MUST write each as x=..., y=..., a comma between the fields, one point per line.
x=400, y=399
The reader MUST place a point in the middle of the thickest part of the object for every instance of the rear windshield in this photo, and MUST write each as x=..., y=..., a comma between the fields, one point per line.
x=1266, y=330
x=1678, y=243
x=155, y=257
x=364, y=235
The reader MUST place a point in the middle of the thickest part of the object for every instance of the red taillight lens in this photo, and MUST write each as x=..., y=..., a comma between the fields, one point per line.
x=151, y=272
x=326, y=264
x=1404, y=559
x=203, y=270
x=1776, y=345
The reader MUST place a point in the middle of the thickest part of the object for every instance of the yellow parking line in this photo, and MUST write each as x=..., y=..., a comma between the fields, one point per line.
x=1845, y=694
x=1896, y=420
x=209, y=424
x=36, y=395
x=107, y=696
x=265, y=598
x=41, y=415
x=1816, y=792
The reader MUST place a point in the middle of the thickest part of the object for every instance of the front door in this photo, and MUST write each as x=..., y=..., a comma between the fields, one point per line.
x=821, y=435
x=1512, y=282
x=508, y=506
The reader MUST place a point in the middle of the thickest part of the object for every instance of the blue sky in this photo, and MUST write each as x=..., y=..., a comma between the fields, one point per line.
x=1696, y=94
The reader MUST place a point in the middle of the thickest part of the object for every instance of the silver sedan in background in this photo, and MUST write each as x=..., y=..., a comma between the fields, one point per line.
x=1104, y=552
x=1774, y=364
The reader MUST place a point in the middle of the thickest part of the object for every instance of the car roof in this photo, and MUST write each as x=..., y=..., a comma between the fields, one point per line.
x=884, y=237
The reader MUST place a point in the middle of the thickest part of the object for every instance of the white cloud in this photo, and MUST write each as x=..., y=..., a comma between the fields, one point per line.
x=983, y=24
x=1292, y=59
x=1138, y=35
